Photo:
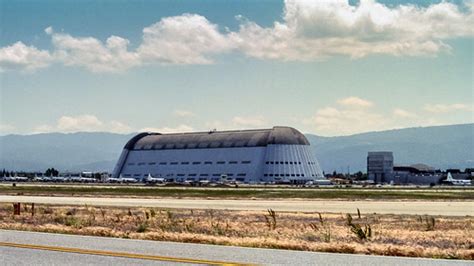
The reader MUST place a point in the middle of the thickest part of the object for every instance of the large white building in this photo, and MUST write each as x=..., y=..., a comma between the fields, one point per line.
x=279, y=154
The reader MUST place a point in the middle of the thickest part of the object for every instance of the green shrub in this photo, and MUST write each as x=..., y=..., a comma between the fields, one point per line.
x=142, y=228
x=72, y=221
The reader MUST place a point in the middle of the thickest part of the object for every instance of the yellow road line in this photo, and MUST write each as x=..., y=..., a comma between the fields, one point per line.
x=118, y=254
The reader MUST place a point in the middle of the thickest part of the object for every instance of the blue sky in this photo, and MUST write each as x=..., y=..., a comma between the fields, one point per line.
x=328, y=68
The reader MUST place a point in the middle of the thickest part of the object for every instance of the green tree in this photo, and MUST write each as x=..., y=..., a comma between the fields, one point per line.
x=51, y=172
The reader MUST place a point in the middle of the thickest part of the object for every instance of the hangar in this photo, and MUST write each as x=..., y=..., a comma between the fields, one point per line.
x=279, y=154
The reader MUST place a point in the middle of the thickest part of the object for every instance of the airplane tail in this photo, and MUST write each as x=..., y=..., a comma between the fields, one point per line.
x=450, y=177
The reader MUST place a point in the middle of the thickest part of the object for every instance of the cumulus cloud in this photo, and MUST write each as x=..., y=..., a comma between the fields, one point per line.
x=350, y=116
x=84, y=123
x=23, y=57
x=91, y=123
x=185, y=39
x=446, y=108
x=345, y=120
x=314, y=30
x=309, y=31
x=178, y=129
x=92, y=54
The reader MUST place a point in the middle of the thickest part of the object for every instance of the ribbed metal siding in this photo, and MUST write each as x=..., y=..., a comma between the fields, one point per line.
x=252, y=170
x=297, y=160
x=139, y=163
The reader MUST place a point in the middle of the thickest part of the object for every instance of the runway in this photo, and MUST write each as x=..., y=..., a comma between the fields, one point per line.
x=448, y=208
x=30, y=248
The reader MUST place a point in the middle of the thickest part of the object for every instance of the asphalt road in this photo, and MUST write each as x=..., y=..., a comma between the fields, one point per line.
x=448, y=208
x=32, y=248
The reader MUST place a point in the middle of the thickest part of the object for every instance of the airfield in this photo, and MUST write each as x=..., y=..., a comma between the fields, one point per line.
x=404, y=220
x=423, y=207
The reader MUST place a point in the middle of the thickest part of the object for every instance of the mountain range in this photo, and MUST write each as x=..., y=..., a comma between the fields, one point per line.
x=442, y=147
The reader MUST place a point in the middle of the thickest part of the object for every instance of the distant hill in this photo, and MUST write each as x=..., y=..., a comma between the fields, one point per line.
x=441, y=147
x=66, y=152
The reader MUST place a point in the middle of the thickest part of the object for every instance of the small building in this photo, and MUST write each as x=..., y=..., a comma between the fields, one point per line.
x=380, y=166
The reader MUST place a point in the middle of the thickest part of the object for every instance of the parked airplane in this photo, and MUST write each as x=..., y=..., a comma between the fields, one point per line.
x=189, y=182
x=16, y=178
x=318, y=182
x=75, y=178
x=38, y=178
x=154, y=180
x=58, y=179
x=87, y=179
x=204, y=182
x=112, y=180
x=47, y=179
x=127, y=179
x=458, y=182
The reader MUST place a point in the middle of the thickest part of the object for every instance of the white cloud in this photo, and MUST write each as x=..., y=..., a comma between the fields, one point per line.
x=179, y=129
x=351, y=115
x=184, y=113
x=83, y=123
x=314, y=30
x=446, y=108
x=79, y=123
x=185, y=39
x=90, y=123
x=92, y=54
x=49, y=30
x=310, y=30
x=355, y=102
x=355, y=115
x=118, y=127
x=401, y=113
x=344, y=121
x=22, y=57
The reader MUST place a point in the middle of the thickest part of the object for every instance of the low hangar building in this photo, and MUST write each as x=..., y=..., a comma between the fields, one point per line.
x=279, y=154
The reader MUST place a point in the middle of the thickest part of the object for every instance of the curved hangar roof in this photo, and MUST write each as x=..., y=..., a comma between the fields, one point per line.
x=217, y=139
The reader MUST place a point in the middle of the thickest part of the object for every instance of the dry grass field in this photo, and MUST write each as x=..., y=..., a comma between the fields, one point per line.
x=397, y=235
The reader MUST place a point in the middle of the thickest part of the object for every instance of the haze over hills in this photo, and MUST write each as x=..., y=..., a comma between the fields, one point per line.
x=439, y=146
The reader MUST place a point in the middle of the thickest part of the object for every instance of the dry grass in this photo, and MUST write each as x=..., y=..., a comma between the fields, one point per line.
x=397, y=235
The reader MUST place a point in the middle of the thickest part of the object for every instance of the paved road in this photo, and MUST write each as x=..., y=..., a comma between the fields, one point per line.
x=450, y=208
x=109, y=250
